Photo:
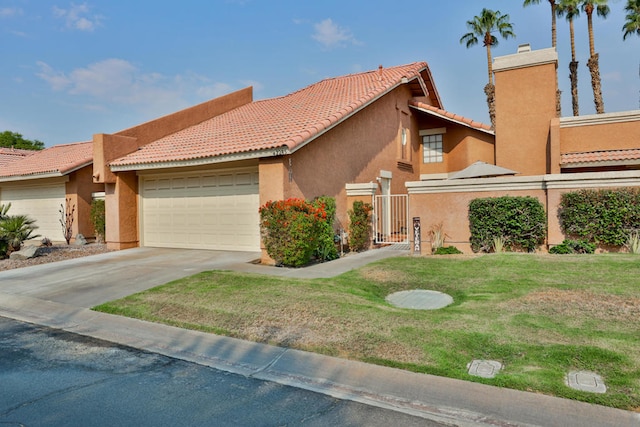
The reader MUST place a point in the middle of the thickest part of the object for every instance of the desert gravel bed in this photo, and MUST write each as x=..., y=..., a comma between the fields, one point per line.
x=55, y=253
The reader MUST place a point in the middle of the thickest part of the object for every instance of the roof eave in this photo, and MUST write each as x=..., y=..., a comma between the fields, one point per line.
x=449, y=119
x=600, y=163
x=15, y=178
x=233, y=157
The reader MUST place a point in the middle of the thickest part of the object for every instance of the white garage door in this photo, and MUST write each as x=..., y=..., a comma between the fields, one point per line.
x=41, y=203
x=208, y=210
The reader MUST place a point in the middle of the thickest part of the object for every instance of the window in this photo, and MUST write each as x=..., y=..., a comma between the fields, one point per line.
x=432, y=148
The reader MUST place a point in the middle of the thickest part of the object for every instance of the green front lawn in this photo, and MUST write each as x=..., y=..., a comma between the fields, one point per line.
x=539, y=315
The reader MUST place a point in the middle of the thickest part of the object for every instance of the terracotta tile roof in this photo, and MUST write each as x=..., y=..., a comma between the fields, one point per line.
x=289, y=121
x=9, y=155
x=58, y=159
x=600, y=156
x=450, y=116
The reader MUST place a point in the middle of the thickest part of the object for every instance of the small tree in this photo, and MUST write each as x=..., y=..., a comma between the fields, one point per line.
x=97, y=215
x=66, y=219
x=360, y=226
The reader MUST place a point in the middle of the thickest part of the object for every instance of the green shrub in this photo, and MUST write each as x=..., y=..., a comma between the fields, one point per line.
x=520, y=221
x=573, y=247
x=15, y=229
x=447, y=250
x=97, y=216
x=291, y=230
x=326, y=249
x=600, y=216
x=360, y=226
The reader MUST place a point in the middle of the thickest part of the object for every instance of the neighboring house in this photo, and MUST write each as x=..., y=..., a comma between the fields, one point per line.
x=549, y=156
x=9, y=155
x=38, y=184
x=348, y=137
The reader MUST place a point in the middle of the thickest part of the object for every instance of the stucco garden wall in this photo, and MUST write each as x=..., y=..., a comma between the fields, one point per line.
x=447, y=201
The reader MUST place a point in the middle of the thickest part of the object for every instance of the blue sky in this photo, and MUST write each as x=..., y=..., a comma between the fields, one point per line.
x=72, y=69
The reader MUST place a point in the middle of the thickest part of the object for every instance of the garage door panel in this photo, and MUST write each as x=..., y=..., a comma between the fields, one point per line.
x=41, y=203
x=203, y=211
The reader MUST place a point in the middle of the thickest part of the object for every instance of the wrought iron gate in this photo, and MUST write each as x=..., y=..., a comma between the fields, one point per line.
x=391, y=219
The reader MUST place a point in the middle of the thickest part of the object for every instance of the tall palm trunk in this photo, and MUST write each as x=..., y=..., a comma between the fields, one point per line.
x=554, y=37
x=490, y=89
x=573, y=71
x=594, y=67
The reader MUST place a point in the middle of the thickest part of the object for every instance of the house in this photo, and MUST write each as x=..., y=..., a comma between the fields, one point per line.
x=38, y=183
x=544, y=155
x=196, y=178
x=9, y=155
x=350, y=137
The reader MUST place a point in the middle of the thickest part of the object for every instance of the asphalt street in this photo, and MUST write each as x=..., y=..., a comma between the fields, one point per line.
x=54, y=378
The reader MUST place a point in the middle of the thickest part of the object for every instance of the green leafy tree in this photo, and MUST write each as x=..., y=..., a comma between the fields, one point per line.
x=571, y=10
x=483, y=28
x=601, y=8
x=632, y=19
x=10, y=139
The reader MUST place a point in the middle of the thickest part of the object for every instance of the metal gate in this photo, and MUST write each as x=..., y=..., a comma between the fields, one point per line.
x=391, y=219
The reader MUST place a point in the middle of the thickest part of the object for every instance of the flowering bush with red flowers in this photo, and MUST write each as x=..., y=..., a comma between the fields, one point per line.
x=292, y=230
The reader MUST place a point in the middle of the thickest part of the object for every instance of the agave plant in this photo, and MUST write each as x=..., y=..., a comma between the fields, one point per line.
x=15, y=229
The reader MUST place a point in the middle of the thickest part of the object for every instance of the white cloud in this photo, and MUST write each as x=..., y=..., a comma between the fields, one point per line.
x=78, y=17
x=57, y=80
x=119, y=82
x=330, y=34
x=7, y=12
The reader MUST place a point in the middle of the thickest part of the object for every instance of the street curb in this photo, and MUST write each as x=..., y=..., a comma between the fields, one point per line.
x=444, y=400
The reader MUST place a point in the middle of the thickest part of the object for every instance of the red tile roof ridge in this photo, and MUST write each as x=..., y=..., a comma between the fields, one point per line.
x=450, y=115
x=57, y=159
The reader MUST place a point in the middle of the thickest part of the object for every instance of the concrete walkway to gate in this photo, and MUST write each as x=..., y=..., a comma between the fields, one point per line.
x=59, y=295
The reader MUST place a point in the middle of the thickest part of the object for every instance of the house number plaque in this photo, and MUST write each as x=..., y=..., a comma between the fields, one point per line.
x=416, y=235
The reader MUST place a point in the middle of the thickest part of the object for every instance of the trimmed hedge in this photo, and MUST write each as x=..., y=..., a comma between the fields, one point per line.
x=601, y=216
x=521, y=221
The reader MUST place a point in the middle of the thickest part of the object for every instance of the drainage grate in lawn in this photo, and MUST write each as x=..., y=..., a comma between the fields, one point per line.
x=586, y=381
x=484, y=368
x=419, y=299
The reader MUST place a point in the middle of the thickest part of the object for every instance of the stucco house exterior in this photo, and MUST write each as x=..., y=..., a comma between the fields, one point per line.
x=38, y=183
x=549, y=155
x=196, y=178
x=200, y=181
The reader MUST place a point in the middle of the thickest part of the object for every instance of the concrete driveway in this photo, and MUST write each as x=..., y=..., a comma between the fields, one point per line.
x=89, y=281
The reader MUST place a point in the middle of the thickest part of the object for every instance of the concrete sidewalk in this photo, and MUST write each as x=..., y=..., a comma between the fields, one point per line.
x=440, y=399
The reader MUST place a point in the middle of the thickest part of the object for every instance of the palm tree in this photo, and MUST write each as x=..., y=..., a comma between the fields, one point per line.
x=483, y=26
x=554, y=5
x=571, y=9
x=554, y=42
x=632, y=24
x=602, y=9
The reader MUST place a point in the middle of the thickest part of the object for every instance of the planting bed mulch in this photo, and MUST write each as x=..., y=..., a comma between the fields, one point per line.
x=55, y=253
